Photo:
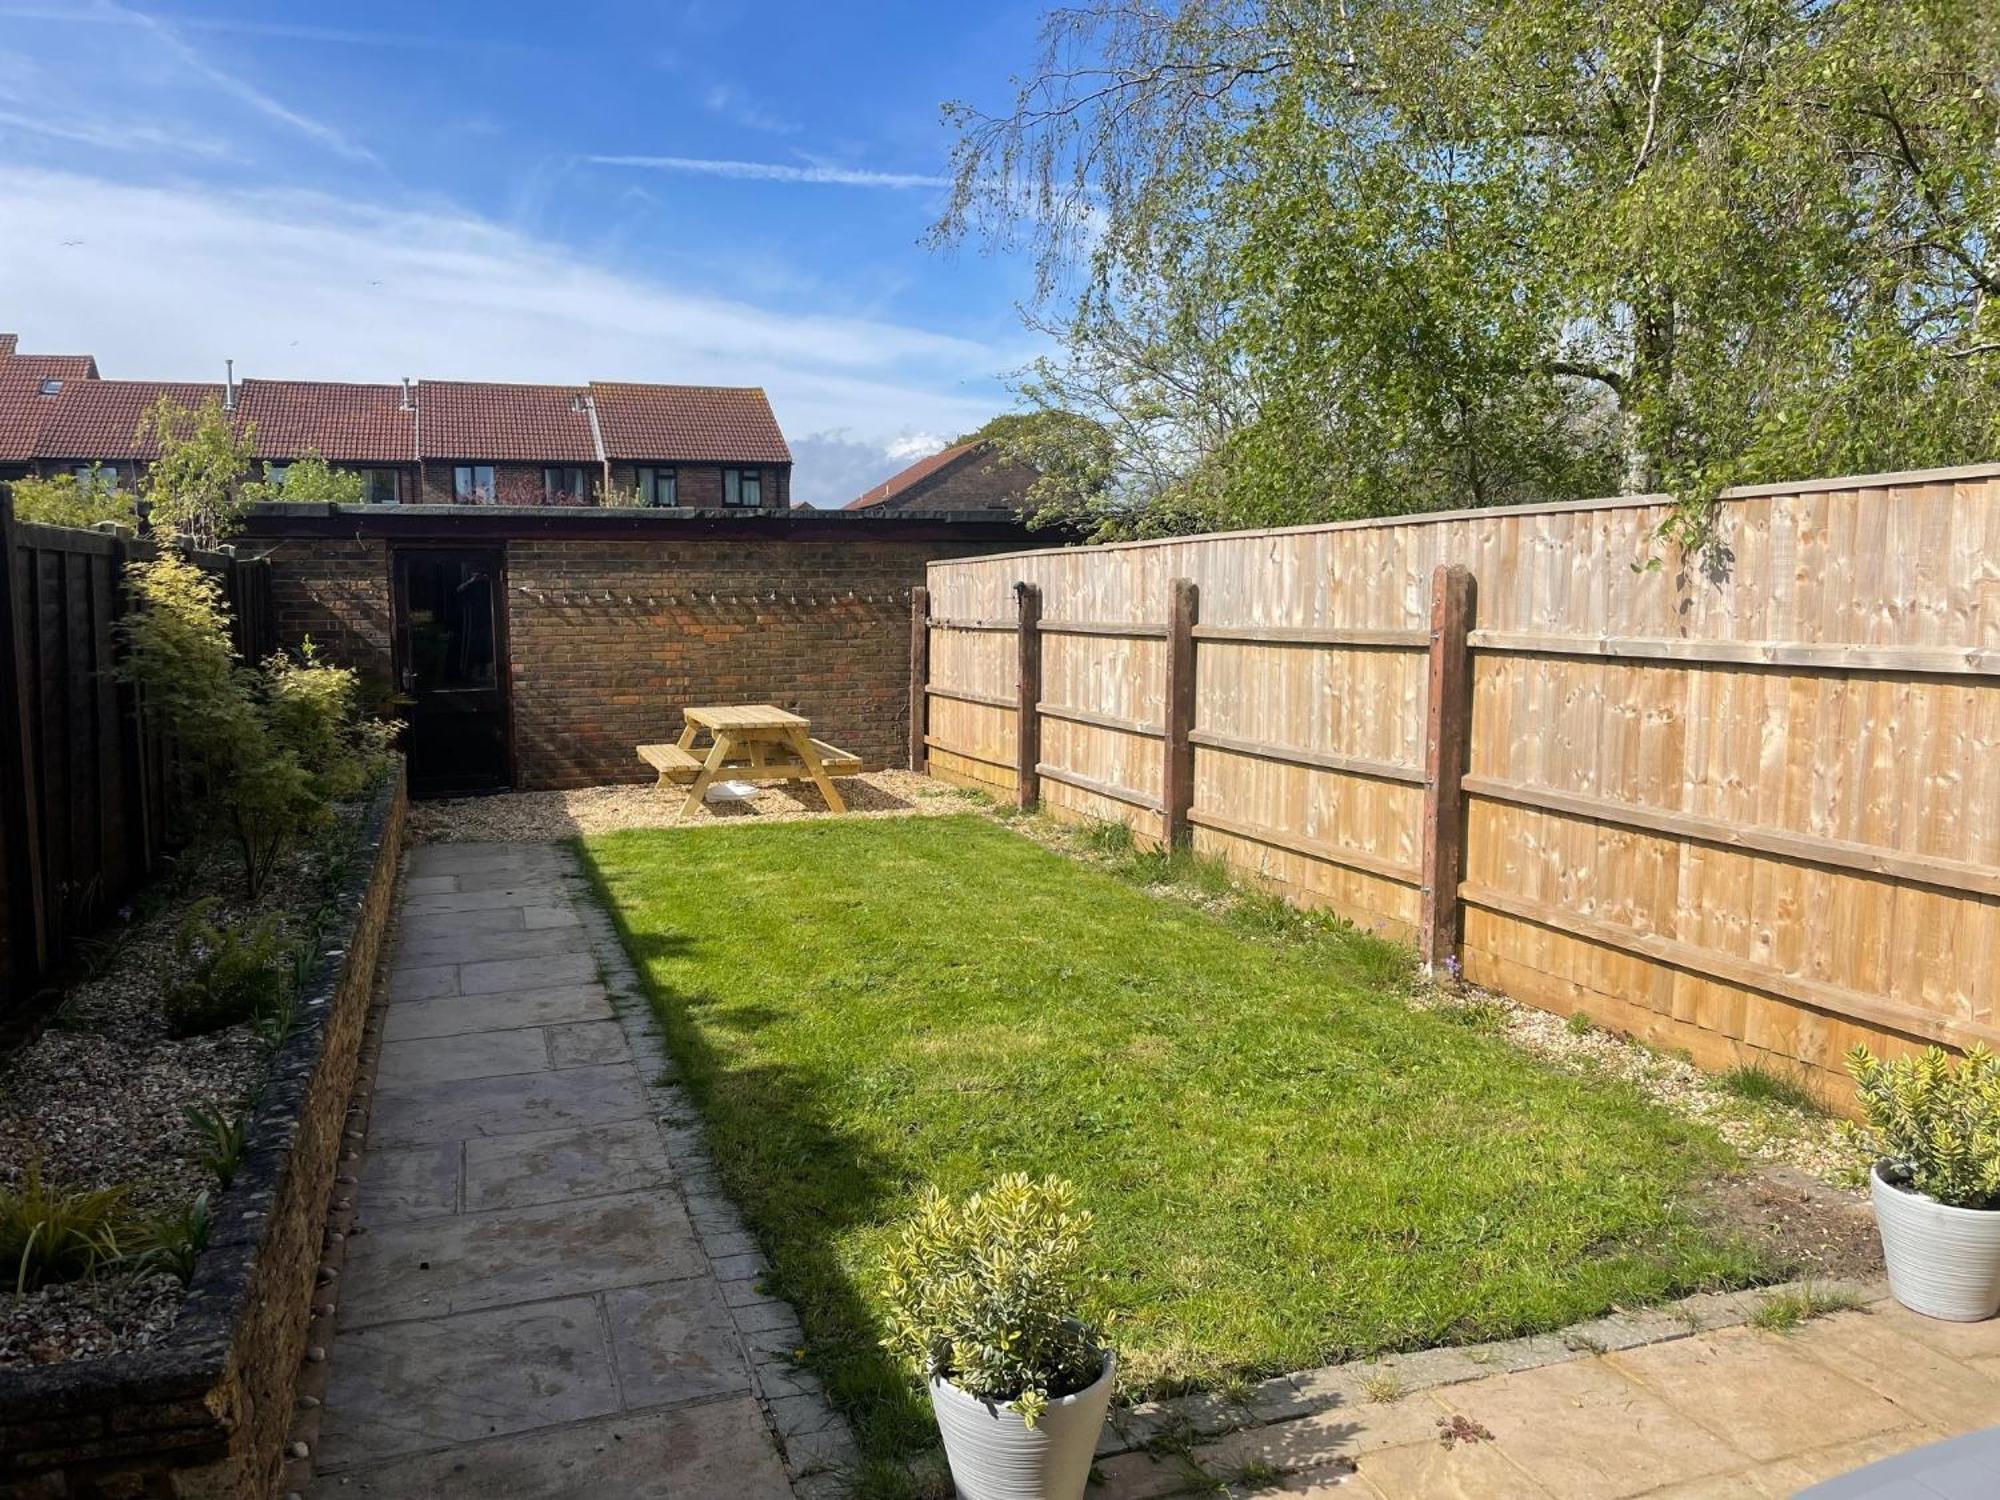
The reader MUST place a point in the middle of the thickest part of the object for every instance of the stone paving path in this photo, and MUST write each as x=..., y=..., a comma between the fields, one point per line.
x=549, y=1297
x=1734, y=1414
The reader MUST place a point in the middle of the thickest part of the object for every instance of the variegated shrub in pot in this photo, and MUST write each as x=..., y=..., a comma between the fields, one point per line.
x=986, y=1303
x=1933, y=1130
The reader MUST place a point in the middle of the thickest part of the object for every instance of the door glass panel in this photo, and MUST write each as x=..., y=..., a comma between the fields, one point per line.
x=450, y=604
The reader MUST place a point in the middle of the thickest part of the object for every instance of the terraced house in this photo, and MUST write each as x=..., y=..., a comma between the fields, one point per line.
x=430, y=442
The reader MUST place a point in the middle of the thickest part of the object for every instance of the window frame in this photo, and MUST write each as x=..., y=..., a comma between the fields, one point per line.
x=581, y=492
x=472, y=471
x=741, y=473
x=646, y=479
x=369, y=474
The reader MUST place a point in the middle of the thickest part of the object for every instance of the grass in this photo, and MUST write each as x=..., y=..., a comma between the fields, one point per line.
x=1781, y=1312
x=1289, y=1165
x=1757, y=1083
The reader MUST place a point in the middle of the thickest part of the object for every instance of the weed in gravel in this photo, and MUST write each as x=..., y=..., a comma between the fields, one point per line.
x=236, y=973
x=1760, y=1083
x=222, y=1141
x=1579, y=1024
x=172, y=1241
x=1383, y=1387
x=48, y=1235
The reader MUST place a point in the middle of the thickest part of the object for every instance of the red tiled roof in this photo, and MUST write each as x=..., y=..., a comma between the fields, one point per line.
x=23, y=407
x=922, y=469
x=100, y=418
x=505, y=423
x=338, y=421
x=687, y=423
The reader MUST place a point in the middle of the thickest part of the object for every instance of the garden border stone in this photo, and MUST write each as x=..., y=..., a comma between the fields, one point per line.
x=203, y=1413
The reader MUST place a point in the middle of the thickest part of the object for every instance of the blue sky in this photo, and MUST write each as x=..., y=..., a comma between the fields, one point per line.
x=688, y=190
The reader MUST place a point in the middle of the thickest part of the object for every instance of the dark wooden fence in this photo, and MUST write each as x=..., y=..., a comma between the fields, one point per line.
x=83, y=783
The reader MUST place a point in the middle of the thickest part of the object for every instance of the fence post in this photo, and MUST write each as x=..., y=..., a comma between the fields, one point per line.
x=27, y=916
x=1177, y=783
x=920, y=676
x=1028, y=697
x=1447, y=725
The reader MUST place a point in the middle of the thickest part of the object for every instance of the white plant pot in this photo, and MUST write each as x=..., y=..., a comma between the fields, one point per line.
x=1944, y=1262
x=996, y=1455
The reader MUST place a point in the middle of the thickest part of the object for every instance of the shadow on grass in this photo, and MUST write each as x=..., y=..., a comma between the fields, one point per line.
x=800, y=1180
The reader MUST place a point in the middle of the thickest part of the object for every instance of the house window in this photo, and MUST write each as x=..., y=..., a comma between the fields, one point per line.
x=472, y=484
x=52, y=386
x=381, y=486
x=102, y=478
x=742, y=487
x=274, y=474
x=565, y=486
x=656, y=487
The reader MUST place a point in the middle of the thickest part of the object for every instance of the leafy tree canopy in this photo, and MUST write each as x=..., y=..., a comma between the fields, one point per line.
x=194, y=485
x=1310, y=259
x=70, y=500
x=308, y=480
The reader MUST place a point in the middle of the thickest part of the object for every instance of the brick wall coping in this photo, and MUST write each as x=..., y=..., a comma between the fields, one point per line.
x=194, y=1356
x=453, y=521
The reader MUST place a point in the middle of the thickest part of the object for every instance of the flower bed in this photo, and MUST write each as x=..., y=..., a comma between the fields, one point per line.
x=206, y=1397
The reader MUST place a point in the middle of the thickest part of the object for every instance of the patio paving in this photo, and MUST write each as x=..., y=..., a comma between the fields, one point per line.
x=545, y=1294
x=1734, y=1413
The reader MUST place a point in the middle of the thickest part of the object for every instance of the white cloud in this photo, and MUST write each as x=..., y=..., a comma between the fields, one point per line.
x=770, y=171
x=911, y=446
x=169, y=282
x=738, y=109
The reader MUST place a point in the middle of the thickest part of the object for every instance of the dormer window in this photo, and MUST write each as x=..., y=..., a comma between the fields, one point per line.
x=51, y=386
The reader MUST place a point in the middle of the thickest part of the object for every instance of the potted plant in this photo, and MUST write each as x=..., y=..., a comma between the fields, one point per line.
x=984, y=1302
x=1933, y=1130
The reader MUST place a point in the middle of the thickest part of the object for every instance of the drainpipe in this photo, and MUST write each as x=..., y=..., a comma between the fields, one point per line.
x=597, y=440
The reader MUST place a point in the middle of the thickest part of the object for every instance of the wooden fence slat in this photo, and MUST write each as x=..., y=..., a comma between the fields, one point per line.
x=1100, y=721
x=1100, y=788
x=1344, y=855
x=1028, y=693
x=20, y=808
x=962, y=695
x=920, y=671
x=1921, y=661
x=1104, y=627
x=1297, y=755
x=1447, y=728
x=1281, y=635
x=1177, y=776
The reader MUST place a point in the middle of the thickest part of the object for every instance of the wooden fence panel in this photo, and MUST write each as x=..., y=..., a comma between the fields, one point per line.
x=1752, y=810
x=85, y=815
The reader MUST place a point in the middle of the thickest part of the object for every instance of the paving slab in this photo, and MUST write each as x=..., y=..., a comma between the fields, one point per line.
x=556, y=1166
x=525, y=973
x=1475, y=1470
x=472, y=1054
x=484, y=947
x=674, y=1343
x=510, y=1105
x=423, y=982
x=417, y=927
x=470, y=1261
x=410, y=1387
x=1768, y=1399
x=586, y=1044
x=695, y=1453
x=450, y=1015
x=419, y=1182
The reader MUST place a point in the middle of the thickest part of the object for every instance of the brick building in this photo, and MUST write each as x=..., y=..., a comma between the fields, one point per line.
x=968, y=476
x=536, y=648
x=437, y=442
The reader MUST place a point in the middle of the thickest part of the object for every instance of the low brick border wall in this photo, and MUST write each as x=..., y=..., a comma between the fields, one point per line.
x=203, y=1414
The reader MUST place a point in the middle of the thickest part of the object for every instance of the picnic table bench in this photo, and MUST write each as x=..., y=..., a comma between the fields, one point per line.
x=748, y=742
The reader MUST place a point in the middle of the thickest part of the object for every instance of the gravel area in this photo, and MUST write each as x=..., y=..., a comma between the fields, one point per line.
x=99, y=1097
x=550, y=817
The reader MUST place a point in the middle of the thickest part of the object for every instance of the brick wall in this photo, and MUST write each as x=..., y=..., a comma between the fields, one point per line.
x=984, y=481
x=593, y=679
x=336, y=590
x=699, y=486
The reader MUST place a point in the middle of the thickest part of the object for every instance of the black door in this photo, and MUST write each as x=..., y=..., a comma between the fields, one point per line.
x=451, y=660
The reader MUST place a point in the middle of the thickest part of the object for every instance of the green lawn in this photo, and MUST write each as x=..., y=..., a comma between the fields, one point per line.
x=1288, y=1164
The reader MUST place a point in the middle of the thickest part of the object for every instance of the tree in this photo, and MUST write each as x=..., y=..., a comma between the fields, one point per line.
x=193, y=485
x=307, y=480
x=66, y=500
x=1379, y=255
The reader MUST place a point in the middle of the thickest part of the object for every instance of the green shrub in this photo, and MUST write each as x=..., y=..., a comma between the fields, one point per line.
x=194, y=482
x=178, y=655
x=988, y=1294
x=237, y=974
x=315, y=711
x=308, y=480
x=49, y=1236
x=65, y=500
x=173, y=1240
x=1932, y=1125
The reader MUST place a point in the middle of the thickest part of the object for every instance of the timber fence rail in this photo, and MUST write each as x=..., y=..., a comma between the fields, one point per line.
x=1747, y=805
x=84, y=777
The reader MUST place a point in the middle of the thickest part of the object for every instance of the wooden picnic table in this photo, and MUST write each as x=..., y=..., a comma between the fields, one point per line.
x=749, y=742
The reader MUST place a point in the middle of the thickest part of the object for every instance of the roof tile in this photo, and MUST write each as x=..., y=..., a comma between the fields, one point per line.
x=688, y=423
x=23, y=406
x=921, y=470
x=343, y=422
x=504, y=423
x=100, y=418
